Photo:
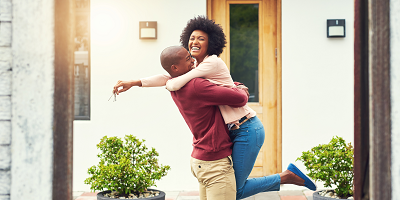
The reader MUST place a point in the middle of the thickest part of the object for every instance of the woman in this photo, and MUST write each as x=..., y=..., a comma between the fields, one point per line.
x=205, y=41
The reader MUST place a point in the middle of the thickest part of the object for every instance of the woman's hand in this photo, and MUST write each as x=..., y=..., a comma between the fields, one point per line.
x=126, y=85
x=243, y=87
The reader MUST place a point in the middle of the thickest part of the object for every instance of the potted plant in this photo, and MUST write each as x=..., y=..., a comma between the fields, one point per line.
x=126, y=170
x=332, y=164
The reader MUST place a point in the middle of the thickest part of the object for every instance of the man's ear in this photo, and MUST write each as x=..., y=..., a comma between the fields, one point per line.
x=174, y=68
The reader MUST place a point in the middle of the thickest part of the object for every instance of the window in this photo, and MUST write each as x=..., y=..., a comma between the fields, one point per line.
x=82, y=61
x=252, y=29
x=244, y=46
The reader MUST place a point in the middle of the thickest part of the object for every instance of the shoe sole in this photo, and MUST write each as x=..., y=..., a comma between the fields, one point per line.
x=316, y=188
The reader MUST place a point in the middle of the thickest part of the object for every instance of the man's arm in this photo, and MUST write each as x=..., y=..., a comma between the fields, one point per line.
x=217, y=95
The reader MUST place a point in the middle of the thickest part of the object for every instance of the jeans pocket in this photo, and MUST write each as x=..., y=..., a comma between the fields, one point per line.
x=260, y=134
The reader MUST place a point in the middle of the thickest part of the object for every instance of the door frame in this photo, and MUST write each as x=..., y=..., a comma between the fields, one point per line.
x=269, y=108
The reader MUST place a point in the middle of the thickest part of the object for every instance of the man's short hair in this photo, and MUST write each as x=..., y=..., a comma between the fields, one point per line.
x=169, y=56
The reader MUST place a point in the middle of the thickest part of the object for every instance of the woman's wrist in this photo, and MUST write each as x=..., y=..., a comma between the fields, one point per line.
x=137, y=82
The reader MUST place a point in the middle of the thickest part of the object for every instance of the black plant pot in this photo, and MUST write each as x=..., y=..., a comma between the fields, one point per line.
x=161, y=196
x=316, y=196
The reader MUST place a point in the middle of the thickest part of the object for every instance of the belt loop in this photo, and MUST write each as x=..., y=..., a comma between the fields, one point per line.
x=241, y=121
x=230, y=159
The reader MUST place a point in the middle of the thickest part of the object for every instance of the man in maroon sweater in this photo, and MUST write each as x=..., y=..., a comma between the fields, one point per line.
x=198, y=102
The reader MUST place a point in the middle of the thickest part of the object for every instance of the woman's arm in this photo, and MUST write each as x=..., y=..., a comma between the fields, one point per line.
x=126, y=85
x=206, y=68
x=152, y=81
x=155, y=81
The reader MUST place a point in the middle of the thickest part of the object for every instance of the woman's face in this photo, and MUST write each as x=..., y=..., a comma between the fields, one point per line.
x=198, y=45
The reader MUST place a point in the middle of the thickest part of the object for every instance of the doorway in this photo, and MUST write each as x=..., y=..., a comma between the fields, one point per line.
x=253, y=55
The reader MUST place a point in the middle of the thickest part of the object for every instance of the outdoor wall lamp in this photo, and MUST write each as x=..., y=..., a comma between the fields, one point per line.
x=147, y=30
x=336, y=28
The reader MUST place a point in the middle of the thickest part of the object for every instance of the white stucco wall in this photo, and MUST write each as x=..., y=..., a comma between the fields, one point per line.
x=317, y=83
x=32, y=99
x=395, y=94
x=148, y=113
x=317, y=77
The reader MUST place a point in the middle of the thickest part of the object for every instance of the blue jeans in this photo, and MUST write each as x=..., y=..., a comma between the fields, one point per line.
x=247, y=142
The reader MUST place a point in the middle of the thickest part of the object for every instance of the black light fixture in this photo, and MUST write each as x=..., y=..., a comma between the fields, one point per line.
x=336, y=28
x=147, y=30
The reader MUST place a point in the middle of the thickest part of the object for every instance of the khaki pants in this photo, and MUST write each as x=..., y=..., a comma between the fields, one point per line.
x=216, y=178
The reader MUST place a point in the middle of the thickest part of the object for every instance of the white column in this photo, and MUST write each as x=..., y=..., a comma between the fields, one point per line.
x=32, y=99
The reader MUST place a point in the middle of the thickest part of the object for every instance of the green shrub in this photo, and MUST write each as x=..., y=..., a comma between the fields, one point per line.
x=332, y=164
x=125, y=166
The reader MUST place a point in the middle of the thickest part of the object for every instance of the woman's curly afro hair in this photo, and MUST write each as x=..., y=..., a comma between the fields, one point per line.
x=216, y=36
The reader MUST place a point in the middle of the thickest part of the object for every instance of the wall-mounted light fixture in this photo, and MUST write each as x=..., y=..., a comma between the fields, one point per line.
x=336, y=28
x=147, y=30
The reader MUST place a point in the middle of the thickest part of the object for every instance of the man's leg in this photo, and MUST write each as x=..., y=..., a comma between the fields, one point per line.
x=217, y=176
x=202, y=191
x=202, y=187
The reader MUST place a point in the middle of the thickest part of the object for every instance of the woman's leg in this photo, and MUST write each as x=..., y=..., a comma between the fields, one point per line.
x=247, y=142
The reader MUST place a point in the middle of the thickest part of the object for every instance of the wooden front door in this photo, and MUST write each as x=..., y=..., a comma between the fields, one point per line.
x=253, y=55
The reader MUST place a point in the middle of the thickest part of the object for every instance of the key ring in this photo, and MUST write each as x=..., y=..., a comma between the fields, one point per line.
x=115, y=97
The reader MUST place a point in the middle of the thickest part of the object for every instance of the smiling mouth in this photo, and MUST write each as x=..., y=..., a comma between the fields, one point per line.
x=195, y=48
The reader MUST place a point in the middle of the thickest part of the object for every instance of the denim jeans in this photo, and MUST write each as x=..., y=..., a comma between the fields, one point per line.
x=247, y=142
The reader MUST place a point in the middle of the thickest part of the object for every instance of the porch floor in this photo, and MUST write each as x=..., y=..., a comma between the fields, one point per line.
x=194, y=195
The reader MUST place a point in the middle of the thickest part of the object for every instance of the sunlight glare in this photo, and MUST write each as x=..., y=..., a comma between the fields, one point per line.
x=106, y=24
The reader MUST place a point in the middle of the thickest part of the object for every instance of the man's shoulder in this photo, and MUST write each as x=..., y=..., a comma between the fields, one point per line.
x=198, y=84
x=193, y=88
x=199, y=81
x=195, y=83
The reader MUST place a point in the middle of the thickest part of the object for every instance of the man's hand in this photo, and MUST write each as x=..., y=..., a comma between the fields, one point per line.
x=126, y=85
x=246, y=89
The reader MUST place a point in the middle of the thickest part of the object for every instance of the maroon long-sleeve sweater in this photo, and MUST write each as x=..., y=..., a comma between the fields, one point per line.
x=198, y=103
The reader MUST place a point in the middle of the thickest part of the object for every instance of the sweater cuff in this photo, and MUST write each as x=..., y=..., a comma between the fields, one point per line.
x=238, y=83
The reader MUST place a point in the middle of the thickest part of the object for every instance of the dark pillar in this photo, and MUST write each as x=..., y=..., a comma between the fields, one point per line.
x=380, y=116
x=361, y=103
x=64, y=27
